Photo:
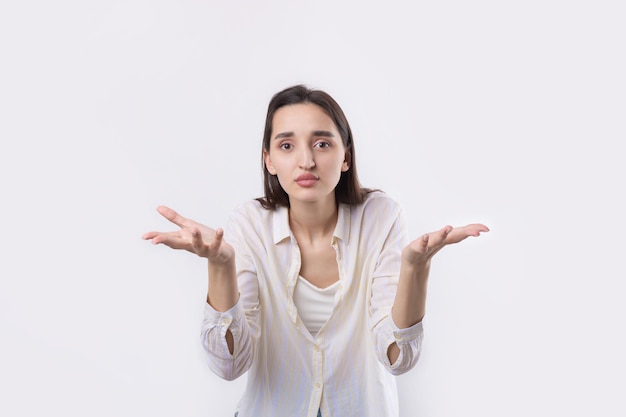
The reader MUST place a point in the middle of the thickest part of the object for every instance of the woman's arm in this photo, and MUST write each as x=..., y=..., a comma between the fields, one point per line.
x=409, y=306
x=230, y=327
x=207, y=243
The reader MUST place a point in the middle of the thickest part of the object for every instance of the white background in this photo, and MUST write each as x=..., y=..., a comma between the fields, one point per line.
x=501, y=112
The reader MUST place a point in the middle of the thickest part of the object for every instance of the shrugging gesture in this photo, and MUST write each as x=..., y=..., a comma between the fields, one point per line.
x=409, y=306
x=313, y=224
x=420, y=251
x=207, y=243
x=193, y=237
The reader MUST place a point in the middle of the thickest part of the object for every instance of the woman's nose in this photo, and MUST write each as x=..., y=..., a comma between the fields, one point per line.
x=306, y=159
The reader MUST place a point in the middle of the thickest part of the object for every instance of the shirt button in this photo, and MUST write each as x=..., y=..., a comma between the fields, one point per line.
x=318, y=385
x=317, y=348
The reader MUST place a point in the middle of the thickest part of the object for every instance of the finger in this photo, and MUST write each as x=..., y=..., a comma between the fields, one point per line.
x=481, y=228
x=216, y=242
x=445, y=231
x=439, y=237
x=172, y=216
x=164, y=238
x=420, y=245
x=196, y=241
x=476, y=229
x=155, y=237
x=171, y=240
x=461, y=233
x=149, y=235
x=456, y=235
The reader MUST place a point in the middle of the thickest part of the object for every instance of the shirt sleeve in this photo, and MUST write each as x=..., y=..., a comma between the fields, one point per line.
x=409, y=342
x=383, y=290
x=242, y=319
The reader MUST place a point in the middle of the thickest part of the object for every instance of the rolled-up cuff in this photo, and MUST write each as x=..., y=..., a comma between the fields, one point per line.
x=409, y=341
x=223, y=318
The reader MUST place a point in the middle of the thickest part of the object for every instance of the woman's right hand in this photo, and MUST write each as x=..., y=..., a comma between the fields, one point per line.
x=193, y=237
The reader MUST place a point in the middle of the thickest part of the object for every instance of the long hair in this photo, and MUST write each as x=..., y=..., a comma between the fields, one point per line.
x=349, y=189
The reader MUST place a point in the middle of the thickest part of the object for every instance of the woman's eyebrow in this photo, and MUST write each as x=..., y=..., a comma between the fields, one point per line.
x=284, y=135
x=325, y=133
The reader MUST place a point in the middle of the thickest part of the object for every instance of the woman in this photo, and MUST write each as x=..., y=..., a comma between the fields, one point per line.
x=314, y=289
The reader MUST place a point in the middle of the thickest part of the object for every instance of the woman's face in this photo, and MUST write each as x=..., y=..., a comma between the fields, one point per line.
x=306, y=153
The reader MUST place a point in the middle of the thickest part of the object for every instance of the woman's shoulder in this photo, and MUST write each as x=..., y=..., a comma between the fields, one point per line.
x=250, y=218
x=252, y=209
x=379, y=200
x=377, y=206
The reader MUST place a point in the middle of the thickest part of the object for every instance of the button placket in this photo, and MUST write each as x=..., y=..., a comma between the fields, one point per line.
x=292, y=279
x=340, y=290
x=318, y=380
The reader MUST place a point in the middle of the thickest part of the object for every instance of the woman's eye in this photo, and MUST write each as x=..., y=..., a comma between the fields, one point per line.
x=322, y=145
x=285, y=146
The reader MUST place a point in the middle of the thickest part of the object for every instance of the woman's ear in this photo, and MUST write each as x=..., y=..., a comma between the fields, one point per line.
x=346, y=165
x=268, y=163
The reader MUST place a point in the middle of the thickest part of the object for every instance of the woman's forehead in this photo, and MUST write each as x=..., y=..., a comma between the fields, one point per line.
x=302, y=116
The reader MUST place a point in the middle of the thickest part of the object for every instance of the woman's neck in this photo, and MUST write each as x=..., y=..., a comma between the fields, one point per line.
x=313, y=221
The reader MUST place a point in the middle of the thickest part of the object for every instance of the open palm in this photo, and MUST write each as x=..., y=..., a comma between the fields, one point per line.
x=193, y=237
x=422, y=249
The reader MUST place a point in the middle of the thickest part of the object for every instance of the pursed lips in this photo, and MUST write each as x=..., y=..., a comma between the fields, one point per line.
x=307, y=180
x=306, y=177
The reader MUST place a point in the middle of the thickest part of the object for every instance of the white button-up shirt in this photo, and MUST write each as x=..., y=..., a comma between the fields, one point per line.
x=342, y=371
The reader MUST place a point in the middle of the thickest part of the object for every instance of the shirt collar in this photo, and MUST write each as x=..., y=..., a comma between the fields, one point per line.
x=280, y=220
x=342, y=230
x=281, y=230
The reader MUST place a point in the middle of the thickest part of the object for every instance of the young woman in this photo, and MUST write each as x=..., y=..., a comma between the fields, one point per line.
x=314, y=289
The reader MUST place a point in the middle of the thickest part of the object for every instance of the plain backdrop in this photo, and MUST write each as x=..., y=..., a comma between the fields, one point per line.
x=509, y=113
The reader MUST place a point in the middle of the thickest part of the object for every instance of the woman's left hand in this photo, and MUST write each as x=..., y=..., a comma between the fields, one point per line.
x=420, y=251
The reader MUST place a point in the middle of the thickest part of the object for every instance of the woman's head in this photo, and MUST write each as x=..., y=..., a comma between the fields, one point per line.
x=348, y=189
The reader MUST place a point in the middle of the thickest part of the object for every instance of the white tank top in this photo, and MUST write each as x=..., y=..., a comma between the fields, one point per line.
x=314, y=304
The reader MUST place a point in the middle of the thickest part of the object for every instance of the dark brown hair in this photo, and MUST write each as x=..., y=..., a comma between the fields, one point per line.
x=348, y=190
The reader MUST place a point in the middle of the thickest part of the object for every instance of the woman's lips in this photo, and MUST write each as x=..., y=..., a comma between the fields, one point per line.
x=307, y=180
